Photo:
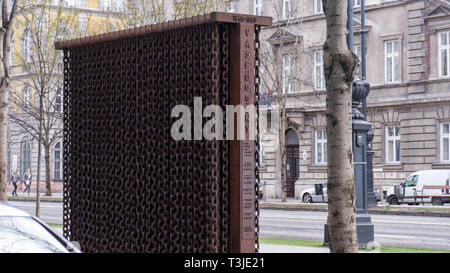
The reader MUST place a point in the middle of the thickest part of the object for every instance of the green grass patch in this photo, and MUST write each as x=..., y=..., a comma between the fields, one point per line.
x=400, y=249
x=53, y=225
x=290, y=242
x=383, y=248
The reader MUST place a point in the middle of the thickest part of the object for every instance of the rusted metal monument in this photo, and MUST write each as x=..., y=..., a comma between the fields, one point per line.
x=128, y=186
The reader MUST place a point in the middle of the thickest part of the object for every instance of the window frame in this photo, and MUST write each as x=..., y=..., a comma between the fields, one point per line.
x=322, y=76
x=393, y=138
x=358, y=53
x=257, y=7
x=392, y=55
x=27, y=95
x=27, y=40
x=59, y=160
x=25, y=156
x=286, y=74
x=439, y=56
x=441, y=140
x=287, y=14
x=318, y=7
x=322, y=142
x=262, y=162
x=11, y=52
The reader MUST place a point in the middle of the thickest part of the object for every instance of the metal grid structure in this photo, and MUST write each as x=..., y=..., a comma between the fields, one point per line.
x=128, y=186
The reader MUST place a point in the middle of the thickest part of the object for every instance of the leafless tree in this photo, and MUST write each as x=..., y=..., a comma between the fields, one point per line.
x=36, y=97
x=339, y=67
x=282, y=85
x=8, y=17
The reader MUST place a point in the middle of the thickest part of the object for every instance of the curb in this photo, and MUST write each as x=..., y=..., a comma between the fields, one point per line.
x=378, y=210
x=33, y=199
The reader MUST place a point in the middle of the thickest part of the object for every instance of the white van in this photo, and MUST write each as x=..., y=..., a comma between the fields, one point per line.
x=412, y=190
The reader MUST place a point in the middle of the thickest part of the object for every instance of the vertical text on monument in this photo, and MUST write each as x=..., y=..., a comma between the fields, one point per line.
x=247, y=94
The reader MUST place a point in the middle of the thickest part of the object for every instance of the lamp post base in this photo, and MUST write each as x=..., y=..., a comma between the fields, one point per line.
x=364, y=230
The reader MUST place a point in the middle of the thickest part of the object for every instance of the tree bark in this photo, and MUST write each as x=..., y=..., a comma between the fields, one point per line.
x=7, y=22
x=339, y=66
x=3, y=137
x=48, y=190
x=282, y=134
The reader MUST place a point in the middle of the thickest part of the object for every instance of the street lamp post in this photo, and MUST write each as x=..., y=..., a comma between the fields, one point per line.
x=371, y=198
x=361, y=129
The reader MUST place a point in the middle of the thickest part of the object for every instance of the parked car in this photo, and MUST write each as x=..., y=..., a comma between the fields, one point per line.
x=377, y=191
x=421, y=186
x=23, y=233
x=318, y=193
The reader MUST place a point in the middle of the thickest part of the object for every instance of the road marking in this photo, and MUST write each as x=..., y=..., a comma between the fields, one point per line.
x=411, y=223
x=408, y=237
x=33, y=205
x=373, y=221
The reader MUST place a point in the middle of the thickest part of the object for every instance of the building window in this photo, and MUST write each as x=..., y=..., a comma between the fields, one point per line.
x=286, y=9
x=445, y=139
x=11, y=53
x=57, y=162
x=357, y=51
x=318, y=8
x=119, y=6
x=8, y=160
x=391, y=61
x=26, y=46
x=321, y=146
x=26, y=95
x=232, y=6
x=392, y=144
x=356, y=3
x=25, y=157
x=269, y=120
x=319, y=77
x=286, y=75
x=261, y=150
x=58, y=101
x=258, y=7
x=444, y=54
x=70, y=3
x=106, y=5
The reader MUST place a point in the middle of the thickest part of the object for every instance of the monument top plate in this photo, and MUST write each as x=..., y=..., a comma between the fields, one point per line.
x=223, y=17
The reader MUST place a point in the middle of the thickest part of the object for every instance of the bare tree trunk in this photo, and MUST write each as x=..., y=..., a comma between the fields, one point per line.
x=48, y=190
x=339, y=66
x=38, y=179
x=283, y=148
x=7, y=23
x=40, y=137
x=3, y=137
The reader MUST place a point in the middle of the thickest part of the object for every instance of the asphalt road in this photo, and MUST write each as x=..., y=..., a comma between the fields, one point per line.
x=413, y=231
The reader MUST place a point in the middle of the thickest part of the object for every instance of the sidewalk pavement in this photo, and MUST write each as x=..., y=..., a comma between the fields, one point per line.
x=56, y=197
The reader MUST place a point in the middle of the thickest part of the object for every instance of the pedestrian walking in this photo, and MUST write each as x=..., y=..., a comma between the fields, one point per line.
x=27, y=179
x=14, y=179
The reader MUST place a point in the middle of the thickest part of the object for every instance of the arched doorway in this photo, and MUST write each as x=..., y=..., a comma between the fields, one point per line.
x=292, y=161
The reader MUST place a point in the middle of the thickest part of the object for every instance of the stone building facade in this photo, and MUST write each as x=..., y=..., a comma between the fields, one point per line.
x=407, y=45
x=22, y=148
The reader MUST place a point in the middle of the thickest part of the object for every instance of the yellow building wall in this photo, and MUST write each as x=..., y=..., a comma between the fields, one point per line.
x=96, y=24
x=93, y=4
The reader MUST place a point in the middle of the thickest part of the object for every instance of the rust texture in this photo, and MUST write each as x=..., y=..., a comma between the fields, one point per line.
x=128, y=186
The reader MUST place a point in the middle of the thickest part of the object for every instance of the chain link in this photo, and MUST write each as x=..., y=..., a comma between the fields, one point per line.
x=128, y=186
